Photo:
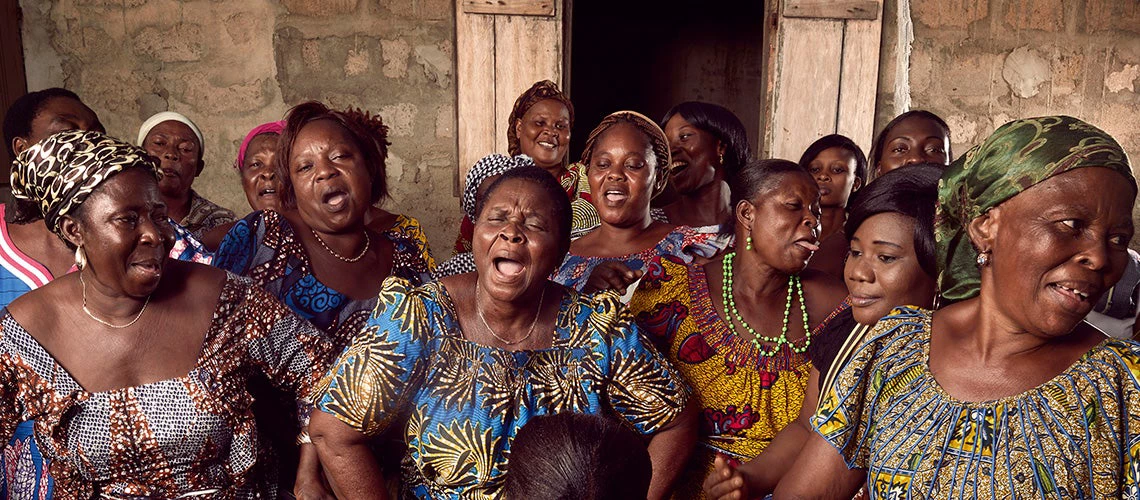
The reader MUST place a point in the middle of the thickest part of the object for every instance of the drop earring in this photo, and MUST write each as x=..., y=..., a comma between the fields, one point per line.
x=80, y=257
x=748, y=243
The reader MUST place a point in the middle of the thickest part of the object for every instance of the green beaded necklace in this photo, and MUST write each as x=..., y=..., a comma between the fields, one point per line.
x=730, y=312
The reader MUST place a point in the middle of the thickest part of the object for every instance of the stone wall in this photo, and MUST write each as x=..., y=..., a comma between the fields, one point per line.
x=981, y=63
x=232, y=64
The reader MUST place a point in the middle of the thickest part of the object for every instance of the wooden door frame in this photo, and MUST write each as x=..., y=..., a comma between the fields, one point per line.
x=13, y=79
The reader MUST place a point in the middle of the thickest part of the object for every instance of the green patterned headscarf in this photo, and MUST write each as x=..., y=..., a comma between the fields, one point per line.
x=1016, y=156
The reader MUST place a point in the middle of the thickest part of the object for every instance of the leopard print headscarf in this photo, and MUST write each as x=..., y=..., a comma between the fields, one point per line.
x=60, y=172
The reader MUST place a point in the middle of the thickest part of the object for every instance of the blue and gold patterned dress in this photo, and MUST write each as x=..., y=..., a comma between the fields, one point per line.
x=1075, y=436
x=467, y=401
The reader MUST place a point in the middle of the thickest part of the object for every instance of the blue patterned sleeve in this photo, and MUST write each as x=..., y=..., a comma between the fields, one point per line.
x=380, y=371
x=846, y=410
x=642, y=386
x=240, y=244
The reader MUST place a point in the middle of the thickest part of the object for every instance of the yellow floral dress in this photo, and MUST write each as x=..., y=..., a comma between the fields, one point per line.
x=467, y=401
x=1075, y=436
x=746, y=398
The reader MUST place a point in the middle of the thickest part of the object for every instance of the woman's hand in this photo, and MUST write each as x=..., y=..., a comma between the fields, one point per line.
x=611, y=275
x=725, y=482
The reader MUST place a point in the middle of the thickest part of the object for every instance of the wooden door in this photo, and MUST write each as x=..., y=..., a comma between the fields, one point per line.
x=12, y=81
x=502, y=48
x=822, y=73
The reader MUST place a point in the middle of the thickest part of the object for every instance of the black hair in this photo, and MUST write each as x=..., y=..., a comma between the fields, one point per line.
x=18, y=119
x=911, y=191
x=559, y=203
x=756, y=178
x=877, y=145
x=836, y=141
x=18, y=123
x=722, y=124
x=577, y=456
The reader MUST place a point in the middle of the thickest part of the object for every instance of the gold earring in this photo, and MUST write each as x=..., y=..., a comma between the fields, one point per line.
x=80, y=257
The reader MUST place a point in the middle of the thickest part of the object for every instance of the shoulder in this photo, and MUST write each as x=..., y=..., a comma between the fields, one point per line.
x=666, y=278
x=210, y=207
x=1124, y=355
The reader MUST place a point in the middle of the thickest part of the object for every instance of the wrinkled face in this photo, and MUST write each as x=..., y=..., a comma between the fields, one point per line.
x=622, y=174
x=58, y=114
x=516, y=241
x=544, y=133
x=696, y=156
x=914, y=140
x=125, y=232
x=834, y=172
x=330, y=180
x=882, y=269
x=1057, y=249
x=258, y=173
x=784, y=222
x=180, y=154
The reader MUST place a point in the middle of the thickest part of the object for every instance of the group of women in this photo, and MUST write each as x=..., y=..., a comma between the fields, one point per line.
x=885, y=325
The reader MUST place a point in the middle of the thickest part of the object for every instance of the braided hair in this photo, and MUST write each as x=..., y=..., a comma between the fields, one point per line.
x=642, y=123
x=540, y=91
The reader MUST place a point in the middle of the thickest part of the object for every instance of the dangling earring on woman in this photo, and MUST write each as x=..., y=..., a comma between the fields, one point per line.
x=80, y=257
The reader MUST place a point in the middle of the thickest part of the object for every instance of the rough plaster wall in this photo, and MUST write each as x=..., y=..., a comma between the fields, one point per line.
x=981, y=63
x=232, y=64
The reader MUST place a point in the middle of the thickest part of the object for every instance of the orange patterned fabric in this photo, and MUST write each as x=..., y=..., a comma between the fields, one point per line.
x=746, y=398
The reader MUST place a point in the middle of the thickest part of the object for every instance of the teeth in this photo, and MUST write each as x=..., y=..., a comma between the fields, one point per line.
x=1078, y=293
x=546, y=144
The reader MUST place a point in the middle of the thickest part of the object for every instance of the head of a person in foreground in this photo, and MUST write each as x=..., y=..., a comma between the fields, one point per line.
x=522, y=233
x=577, y=456
x=101, y=196
x=890, y=230
x=1036, y=222
x=776, y=214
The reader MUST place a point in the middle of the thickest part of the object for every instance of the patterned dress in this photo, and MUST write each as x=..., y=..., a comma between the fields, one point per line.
x=684, y=243
x=1075, y=436
x=746, y=398
x=205, y=215
x=264, y=247
x=24, y=472
x=467, y=401
x=583, y=220
x=164, y=439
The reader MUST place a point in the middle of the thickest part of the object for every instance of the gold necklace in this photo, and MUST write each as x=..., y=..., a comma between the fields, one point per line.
x=367, y=241
x=83, y=286
x=529, y=331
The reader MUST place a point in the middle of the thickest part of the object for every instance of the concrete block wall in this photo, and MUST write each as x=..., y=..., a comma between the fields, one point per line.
x=232, y=64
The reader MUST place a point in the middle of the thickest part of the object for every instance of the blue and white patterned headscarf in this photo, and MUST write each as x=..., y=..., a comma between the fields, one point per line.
x=488, y=166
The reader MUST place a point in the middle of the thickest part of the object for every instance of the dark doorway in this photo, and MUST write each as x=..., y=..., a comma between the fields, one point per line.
x=649, y=55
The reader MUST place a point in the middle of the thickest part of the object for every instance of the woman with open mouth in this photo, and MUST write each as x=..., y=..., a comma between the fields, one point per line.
x=1005, y=392
x=473, y=357
x=708, y=145
x=136, y=368
x=891, y=264
x=627, y=158
x=317, y=255
x=739, y=329
x=539, y=127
